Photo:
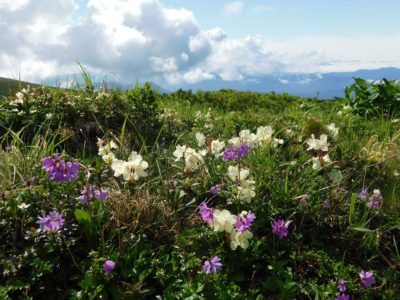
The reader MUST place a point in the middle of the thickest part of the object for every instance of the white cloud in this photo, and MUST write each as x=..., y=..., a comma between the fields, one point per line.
x=233, y=8
x=142, y=39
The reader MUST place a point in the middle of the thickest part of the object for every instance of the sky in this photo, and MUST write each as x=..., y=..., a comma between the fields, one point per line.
x=175, y=42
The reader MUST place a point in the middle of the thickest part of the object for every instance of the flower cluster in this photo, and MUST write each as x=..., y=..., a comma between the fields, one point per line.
x=131, y=170
x=52, y=222
x=213, y=265
x=280, y=228
x=90, y=192
x=342, y=288
x=235, y=152
x=245, y=185
x=236, y=226
x=105, y=150
x=320, y=145
x=367, y=278
x=59, y=170
x=374, y=200
x=263, y=136
x=193, y=159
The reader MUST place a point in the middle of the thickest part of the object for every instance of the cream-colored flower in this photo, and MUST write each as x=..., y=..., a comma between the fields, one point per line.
x=318, y=144
x=235, y=175
x=223, y=220
x=179, y=152
x=240, y=239
x=217, y=147
x=264, y=134
x=246, y=192
x=201, y=139
x=333, y=129
x=316, y=161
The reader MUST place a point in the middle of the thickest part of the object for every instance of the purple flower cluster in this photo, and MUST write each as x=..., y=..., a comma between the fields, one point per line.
x=59, y=170
x=213, y=265
x=367, y=278
x=235, y=152
x=342, y=288
x=88, y=193
x=109, y=266
x=243, y=222
x=280, y=228
x=52, y=222
x=374, y=200
x=206, y=212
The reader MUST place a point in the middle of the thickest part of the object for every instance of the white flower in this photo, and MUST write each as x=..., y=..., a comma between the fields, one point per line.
x=105, y=148
x=240, y=239
x=131, y=170
x=264, y=134
x=23, y=206
x=193, y=159
x=49, y=115
x=234, y=141
x=19, y=99
x=179, y=152
x=223, y=220
x=201, y=139
x=316, y=161
x=217, y=147
x=332, y=129
x=235, y=175
x=246, y=192
x=245, y=136
x=109, y=157
x=321, y=144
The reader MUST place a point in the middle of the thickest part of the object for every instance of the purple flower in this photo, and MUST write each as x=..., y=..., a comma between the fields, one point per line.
x=363, y=194
x=280, y=228
x=243, y=150
x=304, y=199
x=244, y=221
x=231, y=153
x=89, y=193
x=59, y=170
x=206, y=212
x=326, y=204
x=52, y=222
x=342, y=285
x=234, y=152
x=101, y=194
x=109, y=265
x=367, y=278
x=213, y=265
x=375, y=200
x=215, y=189
x=342, y=297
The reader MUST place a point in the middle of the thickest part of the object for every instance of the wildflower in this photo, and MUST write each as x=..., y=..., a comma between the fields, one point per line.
x=215, y=189
x=333, y=129
x=235, y=175
x=264, y=134
x=304, y=199
x=235, y=152
x=89, y=193
x=59, y=170
x=217, y=147
x=104, y=147
x=101, y=194
x=131, y=170
x=321, y=144
x=318, y=162
x=192, y=158
x=206, y=212
x=212, y=265
x=342, y=285
x=367, y=278
x=246, y=191
x=326, y=204
x=223, y=220
x=280, y=229
x=109, y=266
x=363, y=194
x=342, y=297
x=240, y=239
x=375, y=200
x=244, y=221
x=23, y=206
x=52, y=222
x=201, y=139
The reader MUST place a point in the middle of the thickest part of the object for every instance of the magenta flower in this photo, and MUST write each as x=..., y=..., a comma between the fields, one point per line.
x=342, y=297
x=101, y=194
x=375, y=200
x=213, y=265
x=52, y=222
x=342, y=285
x=109, y=266
x=206, y=212
x=280, y=228
x=59, y=170
x=215, y=189
x=243, y=150
x=367, y=278
x=244, y=221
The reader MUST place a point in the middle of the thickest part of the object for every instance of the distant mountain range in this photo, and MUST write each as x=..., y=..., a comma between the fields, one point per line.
x=323, y=86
